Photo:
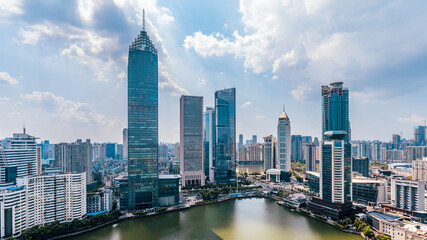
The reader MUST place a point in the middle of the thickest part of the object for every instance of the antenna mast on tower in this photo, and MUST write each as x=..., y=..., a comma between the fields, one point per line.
x=143, y=19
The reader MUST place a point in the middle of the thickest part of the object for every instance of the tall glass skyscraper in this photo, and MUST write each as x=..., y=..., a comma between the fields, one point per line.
x=335, y=116
x=142, y=123
x=225, y=150
x=209, y=143
x=191, y=140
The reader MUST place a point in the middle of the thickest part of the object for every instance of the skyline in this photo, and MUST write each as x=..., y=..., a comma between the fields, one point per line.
x=54, y=78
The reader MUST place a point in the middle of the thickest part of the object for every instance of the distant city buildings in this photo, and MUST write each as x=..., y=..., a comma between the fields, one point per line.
x=74, y=158
x=310, y=156
x=297, y=151
x=191, y=140
x=361, y=165
x=420, y=135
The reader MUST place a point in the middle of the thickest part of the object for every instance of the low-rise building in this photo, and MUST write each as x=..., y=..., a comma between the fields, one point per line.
x=396, y=227
x=99, y=201
x=313, y=179
x=369, y=191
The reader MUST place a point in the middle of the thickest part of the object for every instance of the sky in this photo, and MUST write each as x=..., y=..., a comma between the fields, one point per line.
x=63, y=64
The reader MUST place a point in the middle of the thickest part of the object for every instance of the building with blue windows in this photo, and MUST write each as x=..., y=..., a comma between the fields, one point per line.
x=225, y=136
x=420, y=135
x=335, y=114
x=143, y=141
x=297, y=152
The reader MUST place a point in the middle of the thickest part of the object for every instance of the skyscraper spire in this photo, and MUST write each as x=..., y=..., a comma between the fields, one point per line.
x=143, y=19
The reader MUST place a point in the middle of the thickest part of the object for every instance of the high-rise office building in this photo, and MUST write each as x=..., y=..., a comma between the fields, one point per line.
x=335, y=114
x=240, y=140
x=209, y=143
x=254, y=139
x=225, y=136
x=270, y=152
x=397, y=138
x=336, y=168
x=310, y=156
x=143, y=123
x=111, y=150
x=361, y=165
x=125, y=144
x=191, y=139
x=284, y=146
x=420, y=135
x=306, y=139
x=297, y=152
x=17, y=157
x=335, y=177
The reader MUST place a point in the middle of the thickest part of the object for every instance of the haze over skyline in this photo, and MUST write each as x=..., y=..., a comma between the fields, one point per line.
x=64, y=67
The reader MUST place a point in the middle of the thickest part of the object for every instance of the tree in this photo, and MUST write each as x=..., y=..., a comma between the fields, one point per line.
x=367, y=231
x=382, y=237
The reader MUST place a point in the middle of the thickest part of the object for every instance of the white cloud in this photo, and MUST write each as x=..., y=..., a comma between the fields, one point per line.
x=301, y=92
x=67, y=110
x=6, y=78
x=259, y=117
x=4, y=100
x=320, y=41
x=8, y=7
x=202, y=81
x=370, y=96
x=246, y=104
x=413, y=119
x=102, y=50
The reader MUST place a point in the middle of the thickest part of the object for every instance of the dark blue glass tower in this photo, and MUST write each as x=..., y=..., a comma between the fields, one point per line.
x=225, y=134
x=335, y=114
x=142, y=123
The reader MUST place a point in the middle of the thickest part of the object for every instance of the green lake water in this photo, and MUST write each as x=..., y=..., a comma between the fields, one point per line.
x=234, y=219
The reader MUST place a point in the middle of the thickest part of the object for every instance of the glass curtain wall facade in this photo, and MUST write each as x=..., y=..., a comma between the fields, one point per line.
x=143, y=123
x=209, y=143
x=191, y=140
x=335, y=115
x=225, y=134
